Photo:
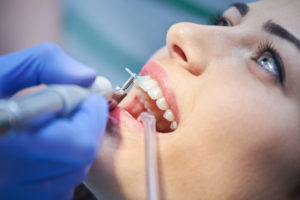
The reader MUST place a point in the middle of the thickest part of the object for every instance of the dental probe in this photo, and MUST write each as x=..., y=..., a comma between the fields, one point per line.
x=55, y=100
x=152, y=178
x=120, y=92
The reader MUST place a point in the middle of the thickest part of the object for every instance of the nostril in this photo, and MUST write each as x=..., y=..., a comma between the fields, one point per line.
x=179, y=51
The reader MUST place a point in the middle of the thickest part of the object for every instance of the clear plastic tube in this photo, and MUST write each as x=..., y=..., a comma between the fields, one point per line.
x=150, y=156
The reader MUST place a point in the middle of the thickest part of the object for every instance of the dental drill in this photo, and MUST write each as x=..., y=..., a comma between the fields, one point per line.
x=57, y=99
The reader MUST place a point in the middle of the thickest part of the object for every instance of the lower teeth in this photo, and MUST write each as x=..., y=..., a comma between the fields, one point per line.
x=128, y=114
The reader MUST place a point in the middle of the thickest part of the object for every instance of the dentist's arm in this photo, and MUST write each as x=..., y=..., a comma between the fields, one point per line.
x=49, y=162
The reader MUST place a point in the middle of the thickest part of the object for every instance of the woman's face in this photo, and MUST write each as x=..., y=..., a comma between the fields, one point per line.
x=234, y=94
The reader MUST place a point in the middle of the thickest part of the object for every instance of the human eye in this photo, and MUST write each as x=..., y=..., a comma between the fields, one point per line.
x=220, y=20
x=267, y=57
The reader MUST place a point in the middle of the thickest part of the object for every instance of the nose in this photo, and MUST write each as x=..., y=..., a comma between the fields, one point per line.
x=195, y=46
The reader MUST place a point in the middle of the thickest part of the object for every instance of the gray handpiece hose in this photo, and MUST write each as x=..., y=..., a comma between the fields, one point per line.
x=57, y=99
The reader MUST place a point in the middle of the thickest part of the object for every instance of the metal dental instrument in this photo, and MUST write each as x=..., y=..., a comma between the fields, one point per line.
x=151, y=156
x=58, y=100
x=120, y=92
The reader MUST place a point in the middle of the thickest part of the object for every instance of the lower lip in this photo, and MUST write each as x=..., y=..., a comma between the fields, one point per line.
x=120, y=118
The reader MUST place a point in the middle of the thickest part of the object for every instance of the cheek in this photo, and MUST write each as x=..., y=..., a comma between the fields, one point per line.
x=243, y=113
x=245, y=126
x=238, y=134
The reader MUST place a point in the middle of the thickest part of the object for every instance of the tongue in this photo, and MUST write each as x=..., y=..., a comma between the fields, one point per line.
x=135, y=107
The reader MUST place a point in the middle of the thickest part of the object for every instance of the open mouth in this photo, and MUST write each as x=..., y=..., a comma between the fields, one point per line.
x=154, y=95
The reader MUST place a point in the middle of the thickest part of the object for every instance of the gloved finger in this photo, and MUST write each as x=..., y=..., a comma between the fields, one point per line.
x=44, y=63
x=68, y=182
x=75, y=140
x=58, y=186
x=39, y=162
x=65, y=196
x=91, y=117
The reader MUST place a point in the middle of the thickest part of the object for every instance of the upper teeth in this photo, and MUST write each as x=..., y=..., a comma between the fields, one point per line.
x=173, y=125
x=168, y=115
x=162, y=103
x=147, y=83
x=151, y=87
x=155, y=93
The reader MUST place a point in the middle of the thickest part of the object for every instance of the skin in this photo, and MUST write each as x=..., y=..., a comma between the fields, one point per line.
x=247, y=141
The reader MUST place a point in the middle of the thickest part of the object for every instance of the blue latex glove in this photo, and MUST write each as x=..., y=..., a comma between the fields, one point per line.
x=49, y=163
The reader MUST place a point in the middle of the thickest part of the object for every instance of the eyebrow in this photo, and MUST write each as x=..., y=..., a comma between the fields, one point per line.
x=269, y=26
x=276, y=29
x=241, y=7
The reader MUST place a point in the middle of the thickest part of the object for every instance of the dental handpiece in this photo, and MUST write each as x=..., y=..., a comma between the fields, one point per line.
x=59, y=100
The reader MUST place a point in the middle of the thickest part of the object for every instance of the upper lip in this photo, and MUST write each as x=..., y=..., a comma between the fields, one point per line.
x=158, y=73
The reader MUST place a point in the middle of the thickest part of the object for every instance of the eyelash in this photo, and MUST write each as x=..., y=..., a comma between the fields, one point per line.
x=217, y=19
x=264, y=48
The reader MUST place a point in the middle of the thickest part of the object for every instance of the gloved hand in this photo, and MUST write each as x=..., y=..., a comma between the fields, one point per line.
x=49, y=163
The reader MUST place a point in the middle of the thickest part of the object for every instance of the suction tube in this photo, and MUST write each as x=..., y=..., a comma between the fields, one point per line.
x=149, y=121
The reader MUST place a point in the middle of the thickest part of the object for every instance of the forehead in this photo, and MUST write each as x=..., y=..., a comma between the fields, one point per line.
x=285, y=12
